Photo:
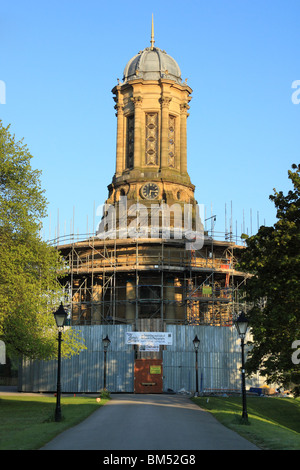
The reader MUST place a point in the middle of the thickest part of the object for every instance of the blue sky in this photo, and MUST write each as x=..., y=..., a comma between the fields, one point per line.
x=60, y=60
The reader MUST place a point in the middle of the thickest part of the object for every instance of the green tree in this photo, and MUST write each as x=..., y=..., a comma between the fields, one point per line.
x=272, y=256
x=29, y=291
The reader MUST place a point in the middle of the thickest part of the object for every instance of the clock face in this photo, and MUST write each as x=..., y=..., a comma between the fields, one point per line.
x=150, y=191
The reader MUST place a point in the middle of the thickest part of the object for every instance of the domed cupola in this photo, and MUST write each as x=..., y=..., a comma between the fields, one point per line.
x=152, y=64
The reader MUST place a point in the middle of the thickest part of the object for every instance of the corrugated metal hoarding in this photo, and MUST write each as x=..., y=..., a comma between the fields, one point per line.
x=219, y=361
x=83, y=373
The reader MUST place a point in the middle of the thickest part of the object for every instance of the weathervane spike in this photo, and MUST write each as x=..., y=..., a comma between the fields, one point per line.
x=152, y=34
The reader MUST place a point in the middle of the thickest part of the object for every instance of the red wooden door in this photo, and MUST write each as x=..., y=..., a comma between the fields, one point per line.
x=148, y=376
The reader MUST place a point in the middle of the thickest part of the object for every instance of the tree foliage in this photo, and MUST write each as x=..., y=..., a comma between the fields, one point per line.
x=29, y=291
x=272, y=256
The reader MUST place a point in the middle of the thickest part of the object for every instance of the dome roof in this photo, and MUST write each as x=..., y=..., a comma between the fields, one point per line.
x=152, y=64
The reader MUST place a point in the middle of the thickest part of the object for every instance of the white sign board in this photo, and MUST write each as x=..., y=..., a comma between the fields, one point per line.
x=154, y=338
x=148, y=347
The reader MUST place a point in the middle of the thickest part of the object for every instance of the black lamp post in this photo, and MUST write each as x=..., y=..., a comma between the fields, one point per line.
x=60, y=317
x=106, y=343
x=241, y=324
x=196, y=342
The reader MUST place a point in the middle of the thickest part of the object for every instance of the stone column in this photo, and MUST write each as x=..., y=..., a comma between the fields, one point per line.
x=96, y=304
x=137, y=100
x=165, y=102
x=169, y=298
x=120, y=139
x=130, y=304
x=183, y=138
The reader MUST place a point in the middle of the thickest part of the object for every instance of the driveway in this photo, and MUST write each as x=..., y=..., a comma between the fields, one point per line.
x=149, y=422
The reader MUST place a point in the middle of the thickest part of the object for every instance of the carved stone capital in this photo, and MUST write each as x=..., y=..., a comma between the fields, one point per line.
x=184, y=107
x=119, y=108
x=137, y=101
x=165, y=101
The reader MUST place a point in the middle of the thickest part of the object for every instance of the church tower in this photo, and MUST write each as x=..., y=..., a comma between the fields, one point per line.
x=152, y=293
x=152, y=106
x=133, y=271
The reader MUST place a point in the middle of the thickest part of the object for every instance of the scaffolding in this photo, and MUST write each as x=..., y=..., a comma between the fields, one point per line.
x=153, y=281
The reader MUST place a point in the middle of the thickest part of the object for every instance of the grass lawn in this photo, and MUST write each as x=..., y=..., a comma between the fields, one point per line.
x=27, y=422
x=274, y=423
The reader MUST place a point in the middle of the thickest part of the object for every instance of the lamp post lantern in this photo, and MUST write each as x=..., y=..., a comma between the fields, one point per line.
x=106, y=343
x=241, y=324
x=196, y=342
x=60, y=317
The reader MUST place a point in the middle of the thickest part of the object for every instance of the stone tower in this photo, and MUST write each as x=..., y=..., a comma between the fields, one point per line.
x=152, y=106
x=133, y=270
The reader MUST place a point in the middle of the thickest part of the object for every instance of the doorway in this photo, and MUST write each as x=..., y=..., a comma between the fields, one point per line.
x=148, y=376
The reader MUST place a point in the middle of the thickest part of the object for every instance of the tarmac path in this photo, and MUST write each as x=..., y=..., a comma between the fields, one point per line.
x=149, y=422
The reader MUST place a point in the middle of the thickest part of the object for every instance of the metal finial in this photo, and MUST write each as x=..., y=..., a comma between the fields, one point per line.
x=152, y=34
